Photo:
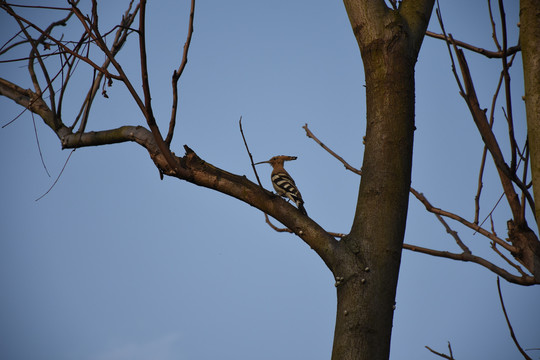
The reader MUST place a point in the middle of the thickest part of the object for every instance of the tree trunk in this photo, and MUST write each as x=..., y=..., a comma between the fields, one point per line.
x=529, y=16
x=389, y=42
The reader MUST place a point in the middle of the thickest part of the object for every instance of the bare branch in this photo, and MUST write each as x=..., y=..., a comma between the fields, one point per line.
x=249, y=154
x=479, y=116
x=458, y=218
x=144, y=66
x=505, y=173
x=5, y=48
x=60, y=44
x=70, y=62
x=449, y=357
x=58, y=177
x=40, y=7
x=178, y=73
x=145, y=107
x=512, y=334
x=526, y=158
x=93, y=32
x=277, y=229
x=309, y=134
x=506, y=65
x=39, y=147
x=486, y=53
x=119, y=40
x=521, y=280
x=484, y=154
x=493, y=28
x=449, y=230
x=122, y=134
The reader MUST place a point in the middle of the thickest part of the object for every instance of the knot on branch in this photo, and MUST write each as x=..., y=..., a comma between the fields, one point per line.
x=191, y=157
x=528, y=246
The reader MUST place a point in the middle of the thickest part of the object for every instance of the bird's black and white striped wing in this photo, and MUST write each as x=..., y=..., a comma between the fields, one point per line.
x=285, y=186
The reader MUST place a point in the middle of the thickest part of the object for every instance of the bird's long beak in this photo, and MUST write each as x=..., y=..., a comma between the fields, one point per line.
x=277, y=158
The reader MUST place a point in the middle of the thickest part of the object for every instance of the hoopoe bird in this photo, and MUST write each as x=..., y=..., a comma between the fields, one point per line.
x=283, y=182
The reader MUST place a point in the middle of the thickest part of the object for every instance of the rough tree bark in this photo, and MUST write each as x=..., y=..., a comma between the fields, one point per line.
x=389, y=42
x=529, y=13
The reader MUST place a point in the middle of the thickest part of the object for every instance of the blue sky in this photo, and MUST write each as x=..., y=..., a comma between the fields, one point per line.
x=115, y=264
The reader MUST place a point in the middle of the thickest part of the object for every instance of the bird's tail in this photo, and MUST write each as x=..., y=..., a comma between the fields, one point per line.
x=300, y=205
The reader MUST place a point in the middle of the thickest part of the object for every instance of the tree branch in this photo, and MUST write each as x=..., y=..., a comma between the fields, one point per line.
x=61, y=45
x=487, y=53
x=119, y=40
x=512, y=334
x=29, y=100
x=458, y=218
x=309, y=134
x=444, y=356
x=178, y=73
x=520, y=280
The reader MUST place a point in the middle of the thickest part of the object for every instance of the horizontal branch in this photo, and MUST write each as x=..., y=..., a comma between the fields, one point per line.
x=122, y=134
x=487, y=53
x=521, y=280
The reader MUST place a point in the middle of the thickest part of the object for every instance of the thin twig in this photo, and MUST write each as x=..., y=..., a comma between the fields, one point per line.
x=249, y=153
x=506, y=66
x=58, y=177
x=309, y=134
x=493, y=28
x=449, y=357
x=447, y=227
x=39, y=7
x=178, y=73
x=63, y=46
x=267, y=218
x=458, y=218
x=484, y=153
x=512, y=334
x=448, y=40
x=524, y=176
x=521, y=280
x=119, y=40
x=486, y=53
x=39, y=147
x=93, y=31
x=274, y=226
